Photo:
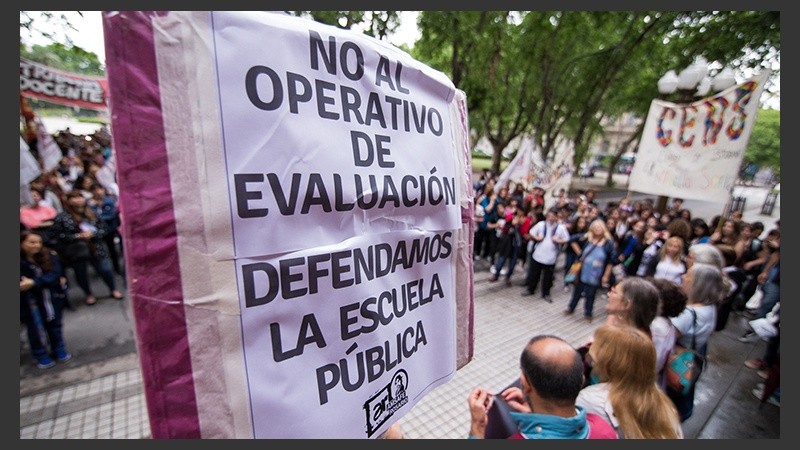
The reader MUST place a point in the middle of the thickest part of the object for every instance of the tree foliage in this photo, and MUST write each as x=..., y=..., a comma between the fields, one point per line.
x=30, y=23
x=378, y=24
x=482, y=53
x=60, y=55
x=764, y=147
x=558, y=74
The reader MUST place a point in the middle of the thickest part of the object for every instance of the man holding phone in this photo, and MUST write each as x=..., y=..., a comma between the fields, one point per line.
x=543, y=405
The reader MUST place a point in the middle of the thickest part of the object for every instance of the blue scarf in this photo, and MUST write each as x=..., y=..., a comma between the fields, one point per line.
x=543, y=426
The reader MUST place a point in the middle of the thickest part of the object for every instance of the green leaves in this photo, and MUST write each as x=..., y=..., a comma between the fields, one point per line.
x=764, y=146
x=556, y=74
x=68, y=58
x=60, y=55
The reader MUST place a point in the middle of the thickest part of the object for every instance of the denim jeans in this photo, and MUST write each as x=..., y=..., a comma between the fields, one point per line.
x=103, y=268
x=53, y=331
x=589, y=291
x=772, y=292
x=569, y=258
x=512, y=263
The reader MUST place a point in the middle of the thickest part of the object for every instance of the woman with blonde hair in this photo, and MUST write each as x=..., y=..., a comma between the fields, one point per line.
x=597, y=256
x=670, y=265
x=627, y=396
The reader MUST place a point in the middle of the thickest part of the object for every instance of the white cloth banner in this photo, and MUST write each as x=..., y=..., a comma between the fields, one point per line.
x=531, y=171
x=694, y=150
x=107, y=176
x=519, y=169
x=297, y=197
x=558, y=174
x=345, y=200
x=49, y=151
x=341, y=167
x=28, y=171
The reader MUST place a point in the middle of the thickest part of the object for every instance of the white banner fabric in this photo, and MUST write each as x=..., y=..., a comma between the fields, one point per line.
x=344, y=206
x=694, y=150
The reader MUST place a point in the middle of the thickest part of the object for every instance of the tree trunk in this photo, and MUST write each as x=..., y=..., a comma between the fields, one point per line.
x=622, y=149
x=497, y=157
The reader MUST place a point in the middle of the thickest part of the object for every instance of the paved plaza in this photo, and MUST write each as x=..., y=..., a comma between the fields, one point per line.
x=99, y=394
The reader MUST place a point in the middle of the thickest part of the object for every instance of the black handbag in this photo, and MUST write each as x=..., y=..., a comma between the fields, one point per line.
x=77, y=250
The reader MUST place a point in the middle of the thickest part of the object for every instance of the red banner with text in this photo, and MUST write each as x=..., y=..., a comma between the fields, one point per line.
x=41, y=82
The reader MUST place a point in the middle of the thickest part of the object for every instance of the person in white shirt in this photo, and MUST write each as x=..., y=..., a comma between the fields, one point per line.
x=670, y=265
x=548, y=235
x=672, y=301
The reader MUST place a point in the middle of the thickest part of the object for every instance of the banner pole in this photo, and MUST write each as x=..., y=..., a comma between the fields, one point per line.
x=726, y=211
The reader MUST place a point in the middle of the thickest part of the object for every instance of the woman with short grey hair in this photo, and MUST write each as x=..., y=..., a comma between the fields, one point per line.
x=706, y=254
x=708, y=285
x=704, y=286
x=710, y=254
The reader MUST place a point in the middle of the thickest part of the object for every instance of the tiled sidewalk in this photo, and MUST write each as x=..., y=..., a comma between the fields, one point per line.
x=107, y=402
x=110, y=403
x=111, y=407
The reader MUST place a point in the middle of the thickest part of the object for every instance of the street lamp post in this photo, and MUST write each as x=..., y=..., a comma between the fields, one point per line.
x=692, y=82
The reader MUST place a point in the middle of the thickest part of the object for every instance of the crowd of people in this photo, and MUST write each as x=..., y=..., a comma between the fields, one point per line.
x=670, y=278
x=69, y=221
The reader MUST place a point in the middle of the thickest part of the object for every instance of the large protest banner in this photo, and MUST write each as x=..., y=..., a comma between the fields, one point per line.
x=298, y=223
x=694, y=150
x=65, y=88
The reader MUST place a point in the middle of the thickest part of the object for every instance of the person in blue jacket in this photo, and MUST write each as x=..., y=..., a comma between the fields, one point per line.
x=42, y=295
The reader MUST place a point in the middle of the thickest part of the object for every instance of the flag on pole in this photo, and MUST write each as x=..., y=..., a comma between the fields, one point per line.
x=531, y=171
x=519, y=169
x=49, y=151
x=28, y=171
x=560, y=173
x=107, y=176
